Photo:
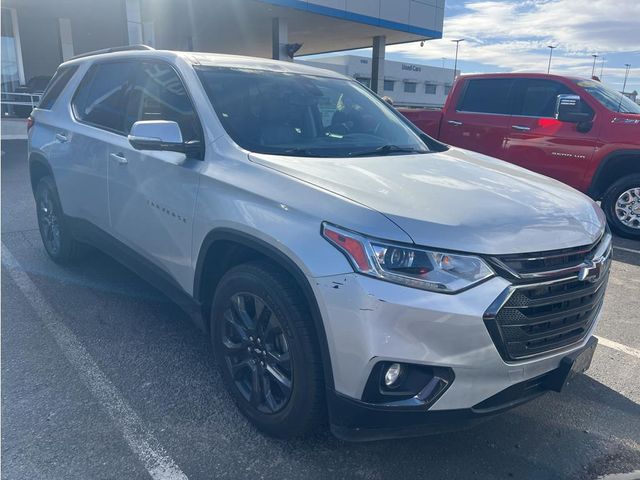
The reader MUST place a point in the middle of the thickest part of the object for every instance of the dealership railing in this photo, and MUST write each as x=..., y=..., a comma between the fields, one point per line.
x=18, y=104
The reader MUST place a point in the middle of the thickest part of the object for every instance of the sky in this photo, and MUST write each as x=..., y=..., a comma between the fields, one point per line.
x=510, y=35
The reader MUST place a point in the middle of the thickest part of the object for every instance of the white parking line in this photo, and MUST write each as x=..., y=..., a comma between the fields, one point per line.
x=157, y=462
x=634, y=352
x=630, y=250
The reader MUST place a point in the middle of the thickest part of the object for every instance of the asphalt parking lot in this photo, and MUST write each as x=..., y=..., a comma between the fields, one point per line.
x=104, y=378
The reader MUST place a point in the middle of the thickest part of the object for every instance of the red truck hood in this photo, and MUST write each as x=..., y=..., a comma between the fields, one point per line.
x=457, y=199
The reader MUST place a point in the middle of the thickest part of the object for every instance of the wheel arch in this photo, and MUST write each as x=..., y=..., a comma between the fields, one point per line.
x=235, y=247
x=613, y=167
x=39, y=168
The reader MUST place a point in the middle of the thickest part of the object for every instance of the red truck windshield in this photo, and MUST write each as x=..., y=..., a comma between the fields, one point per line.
x=609, y=98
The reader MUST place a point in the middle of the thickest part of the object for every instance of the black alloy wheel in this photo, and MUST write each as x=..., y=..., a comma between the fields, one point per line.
x=266, y=347
x=57, y=238
x=256, y=353
x=49, y=221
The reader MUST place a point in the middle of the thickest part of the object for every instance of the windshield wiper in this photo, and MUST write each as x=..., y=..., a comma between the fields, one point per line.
x=303, y=152
x=387, y=150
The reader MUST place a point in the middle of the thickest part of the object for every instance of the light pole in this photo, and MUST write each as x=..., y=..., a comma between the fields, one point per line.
x=443, y=60
x=455, y=64
x=602, y=68
x=550, y=47
x=593, y=70
x=624, y=85
x=626, y=75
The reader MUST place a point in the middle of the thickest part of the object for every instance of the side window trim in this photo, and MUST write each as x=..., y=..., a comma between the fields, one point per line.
x=85, y=79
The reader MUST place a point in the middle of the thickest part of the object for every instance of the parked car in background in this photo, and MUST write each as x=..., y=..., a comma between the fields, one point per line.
x=575, y=130
x=345, y=266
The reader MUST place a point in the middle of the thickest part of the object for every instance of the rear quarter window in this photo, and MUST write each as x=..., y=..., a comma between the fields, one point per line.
x=56, y=86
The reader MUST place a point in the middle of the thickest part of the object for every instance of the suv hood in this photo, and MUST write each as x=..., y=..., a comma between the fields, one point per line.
x=457, y=200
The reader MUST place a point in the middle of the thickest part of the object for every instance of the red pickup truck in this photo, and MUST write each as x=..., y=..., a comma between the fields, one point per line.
x=573, y=129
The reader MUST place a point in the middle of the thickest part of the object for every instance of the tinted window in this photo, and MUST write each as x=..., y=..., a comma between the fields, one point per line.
x=100, y=100
x=430, y=89
x=303, y=115
x=158, y=94
x=388, y=85
x=410, y=87
x=609, y=98
x=538, y=98
x=55, y=86
x=486, y=95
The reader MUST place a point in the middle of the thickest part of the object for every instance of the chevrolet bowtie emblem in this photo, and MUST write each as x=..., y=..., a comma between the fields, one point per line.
x=591, y=270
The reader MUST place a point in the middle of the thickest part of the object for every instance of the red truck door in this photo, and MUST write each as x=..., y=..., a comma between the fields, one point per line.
x=539, y=142
x=479, y=119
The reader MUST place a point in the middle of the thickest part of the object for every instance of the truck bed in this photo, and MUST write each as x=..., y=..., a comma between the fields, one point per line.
x=427, y=120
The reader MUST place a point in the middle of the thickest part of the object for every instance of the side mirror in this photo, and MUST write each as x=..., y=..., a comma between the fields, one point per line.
x=569, y=109
x=157, y=135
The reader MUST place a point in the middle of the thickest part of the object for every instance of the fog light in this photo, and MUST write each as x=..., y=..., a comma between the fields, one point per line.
x=392, y=374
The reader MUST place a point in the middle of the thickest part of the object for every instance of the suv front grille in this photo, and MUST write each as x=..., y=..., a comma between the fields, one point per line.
x=547, y=264
x=535, y=318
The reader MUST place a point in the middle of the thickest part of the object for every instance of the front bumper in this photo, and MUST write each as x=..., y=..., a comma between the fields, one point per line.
x=354, y=420
x=368, y=321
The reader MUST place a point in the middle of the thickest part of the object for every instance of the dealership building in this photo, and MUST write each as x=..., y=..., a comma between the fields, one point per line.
x=408, y=84
x=37, y=35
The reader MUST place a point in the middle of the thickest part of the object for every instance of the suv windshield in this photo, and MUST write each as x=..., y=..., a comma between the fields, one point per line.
x=304, y=115
x=611, y=99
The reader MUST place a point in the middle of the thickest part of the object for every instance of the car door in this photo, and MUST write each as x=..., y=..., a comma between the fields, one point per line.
x=480, y=119
x=541, y=143
x=152, y=194
x=85, y=140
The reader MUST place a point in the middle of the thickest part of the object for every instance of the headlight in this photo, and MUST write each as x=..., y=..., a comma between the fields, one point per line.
x=415, y=267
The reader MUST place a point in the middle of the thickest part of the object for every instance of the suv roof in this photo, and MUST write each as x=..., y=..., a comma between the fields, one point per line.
x=204, y=58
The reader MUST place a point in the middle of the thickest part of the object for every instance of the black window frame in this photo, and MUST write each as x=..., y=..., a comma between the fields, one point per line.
x=58, y=79
x=508, y=95
x=389, y=82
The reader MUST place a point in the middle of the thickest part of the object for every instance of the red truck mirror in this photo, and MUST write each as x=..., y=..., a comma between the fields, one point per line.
x=569, y=109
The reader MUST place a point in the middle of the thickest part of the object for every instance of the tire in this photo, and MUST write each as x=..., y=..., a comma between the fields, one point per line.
x=252, y=347
x=56, y=237
x=624, y=195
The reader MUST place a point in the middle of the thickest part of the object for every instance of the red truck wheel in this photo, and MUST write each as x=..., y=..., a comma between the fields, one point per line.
x=621, y=204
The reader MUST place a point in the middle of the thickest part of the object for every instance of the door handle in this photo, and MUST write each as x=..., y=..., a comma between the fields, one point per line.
x=455, y=123
x=61, y=137
x=120, y=158
x=521, y=128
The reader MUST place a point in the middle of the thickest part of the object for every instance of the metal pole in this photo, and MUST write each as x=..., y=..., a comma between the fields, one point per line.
x=624, y=85
x=550, y=47
x=602, y=68
x=593, y=70
x=626, y=76
x=455, y=64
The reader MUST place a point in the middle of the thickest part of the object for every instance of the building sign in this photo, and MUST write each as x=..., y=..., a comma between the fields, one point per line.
x=412, y=68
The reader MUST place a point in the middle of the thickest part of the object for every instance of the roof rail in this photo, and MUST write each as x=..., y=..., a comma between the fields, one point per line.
x=124, y=48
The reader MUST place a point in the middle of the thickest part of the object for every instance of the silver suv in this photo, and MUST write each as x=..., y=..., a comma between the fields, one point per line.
x=347, y=267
